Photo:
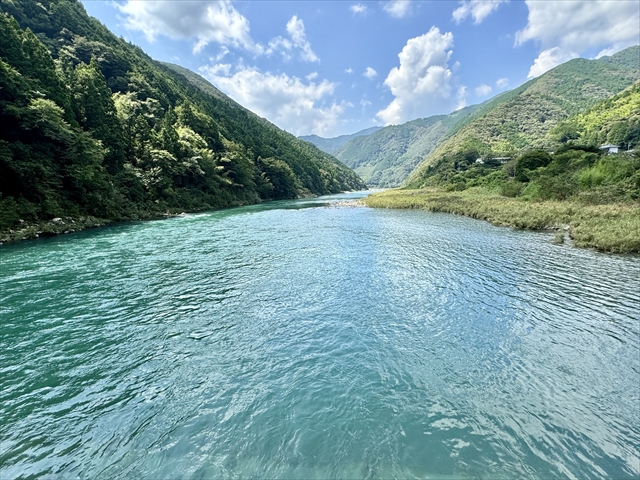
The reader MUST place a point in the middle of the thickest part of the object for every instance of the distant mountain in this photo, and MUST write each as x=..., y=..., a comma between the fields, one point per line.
x=91, y=125
x=387, y=157
x=332, y=145
x=523, y=118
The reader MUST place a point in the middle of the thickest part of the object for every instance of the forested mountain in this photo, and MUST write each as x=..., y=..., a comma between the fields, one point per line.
x=91, y=125
x=524, y=118
x=505, y=125
x=577, y=170
x=332, y=145
x=387, y=157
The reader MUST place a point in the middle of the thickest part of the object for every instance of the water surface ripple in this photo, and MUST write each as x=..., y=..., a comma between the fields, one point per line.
x=300, y=340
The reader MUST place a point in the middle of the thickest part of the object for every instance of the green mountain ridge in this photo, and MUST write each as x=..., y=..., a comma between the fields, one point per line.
x=94, y=126
x=580, y=189
x=333, y=145
x=509, y=123
x=523, y=118
x=387, y=157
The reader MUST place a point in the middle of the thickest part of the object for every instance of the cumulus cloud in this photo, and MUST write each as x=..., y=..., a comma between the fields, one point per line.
x=549, y=59
x=398, y=8
x=219, y=69
x=567, y=29
x=461, y=97
x=349, y=70
x=478, y=9
x=502, y=83
x=422, y=83
x=213, y=21
x=224, y=51
x=358, y=8
x=288, y=102
x=297, y=41
x=370, y=73
x=483, y=90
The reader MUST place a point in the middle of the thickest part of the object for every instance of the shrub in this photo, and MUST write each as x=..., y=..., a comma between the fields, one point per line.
x=531, y=161
x=511, y=189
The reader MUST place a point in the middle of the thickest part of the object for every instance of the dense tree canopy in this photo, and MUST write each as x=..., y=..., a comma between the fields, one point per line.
x=92, y=126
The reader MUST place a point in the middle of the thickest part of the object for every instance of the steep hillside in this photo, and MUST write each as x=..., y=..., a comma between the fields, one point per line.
x=332, y=145
x=93, y=126
x=613, y=121
x=387, y=157
x=578, y=169
x=236, y=121
x=522, y=119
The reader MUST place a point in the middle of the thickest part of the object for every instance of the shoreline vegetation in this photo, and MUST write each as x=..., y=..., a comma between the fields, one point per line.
x=30, y=230
x=26, y=230
x=612, y=228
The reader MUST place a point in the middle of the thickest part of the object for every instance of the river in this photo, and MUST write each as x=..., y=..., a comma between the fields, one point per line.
x=300, y=339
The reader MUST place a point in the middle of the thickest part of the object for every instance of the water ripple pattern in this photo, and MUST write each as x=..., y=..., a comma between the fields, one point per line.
x=300, y=340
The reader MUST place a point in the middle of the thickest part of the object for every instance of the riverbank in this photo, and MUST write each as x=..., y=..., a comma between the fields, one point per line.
x=62, y=225
x=25, y=230
x=611, y=228
x=57, y=226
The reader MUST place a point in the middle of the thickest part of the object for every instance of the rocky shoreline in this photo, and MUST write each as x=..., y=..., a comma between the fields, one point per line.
x=56, y=226
x=62, y=225
x=347, y=203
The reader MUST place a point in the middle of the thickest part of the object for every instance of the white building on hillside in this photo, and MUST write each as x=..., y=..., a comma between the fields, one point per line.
x=610, y=149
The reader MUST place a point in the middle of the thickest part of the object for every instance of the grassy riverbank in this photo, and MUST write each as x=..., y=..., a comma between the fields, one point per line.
x=610, y=227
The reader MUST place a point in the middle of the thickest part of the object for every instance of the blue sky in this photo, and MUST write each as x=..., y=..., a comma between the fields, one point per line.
x=336, y=67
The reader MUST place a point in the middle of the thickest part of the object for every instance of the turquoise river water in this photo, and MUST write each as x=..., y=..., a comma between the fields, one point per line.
x=305, y=339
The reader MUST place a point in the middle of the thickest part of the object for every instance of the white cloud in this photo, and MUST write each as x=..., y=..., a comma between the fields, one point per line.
x=358, y=8
x=502, y=83
x=365, y=103
x=349, y=70
x=422, y=83
x=286, y=101
x=569, y=28
x=461, y=97
x=297, y=41
x=608, y=51
x=370, y=73
x=213, y=21
x=398, y=8
x=216, y=70
x=224, y=51
x=483, y=90
x=549, y=59
x=478, y=9
x=311, y=76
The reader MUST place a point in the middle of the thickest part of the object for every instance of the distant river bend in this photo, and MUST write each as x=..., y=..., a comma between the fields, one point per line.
x=303, y=340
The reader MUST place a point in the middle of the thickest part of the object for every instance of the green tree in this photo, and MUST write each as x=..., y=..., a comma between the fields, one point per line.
x=96, y=112
x=280, y=176
x=529, y=162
